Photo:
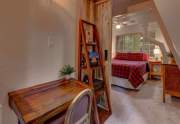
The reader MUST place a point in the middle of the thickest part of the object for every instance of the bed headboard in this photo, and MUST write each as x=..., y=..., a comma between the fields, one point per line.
x=132, y=56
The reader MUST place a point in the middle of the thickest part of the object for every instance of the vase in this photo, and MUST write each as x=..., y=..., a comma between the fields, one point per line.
x=67, y=77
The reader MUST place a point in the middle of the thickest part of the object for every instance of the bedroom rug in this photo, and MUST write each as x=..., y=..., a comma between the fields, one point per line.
x=144, y=106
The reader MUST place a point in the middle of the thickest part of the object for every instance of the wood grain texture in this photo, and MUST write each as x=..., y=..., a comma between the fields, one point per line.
x=90, y=69
x=121, y=6
x=103, y=20
x=37, y=104
x=171, y=80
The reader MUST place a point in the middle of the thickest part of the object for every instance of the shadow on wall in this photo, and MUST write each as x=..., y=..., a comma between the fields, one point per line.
x=26, y=27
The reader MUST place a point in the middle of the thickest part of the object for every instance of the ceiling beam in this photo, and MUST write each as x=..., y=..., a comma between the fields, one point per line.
x=121, y=6
x=140, y=6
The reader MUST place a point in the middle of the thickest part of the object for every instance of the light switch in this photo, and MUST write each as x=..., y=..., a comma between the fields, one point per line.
x=50, y=42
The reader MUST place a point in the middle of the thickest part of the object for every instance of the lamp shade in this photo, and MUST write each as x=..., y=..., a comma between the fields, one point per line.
x=157, y=51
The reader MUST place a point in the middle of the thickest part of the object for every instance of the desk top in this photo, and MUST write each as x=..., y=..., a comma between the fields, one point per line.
x=39, y=103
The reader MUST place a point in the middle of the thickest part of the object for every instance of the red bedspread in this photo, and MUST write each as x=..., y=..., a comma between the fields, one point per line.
x=131, y=70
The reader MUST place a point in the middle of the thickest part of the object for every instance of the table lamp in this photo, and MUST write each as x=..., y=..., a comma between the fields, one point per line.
x=157, y=53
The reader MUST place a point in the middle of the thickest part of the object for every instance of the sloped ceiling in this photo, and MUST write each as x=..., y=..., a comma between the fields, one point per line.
x=120, y=6
x=168, y=11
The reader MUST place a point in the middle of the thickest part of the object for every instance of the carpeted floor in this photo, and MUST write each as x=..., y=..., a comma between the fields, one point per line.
x=144, y=106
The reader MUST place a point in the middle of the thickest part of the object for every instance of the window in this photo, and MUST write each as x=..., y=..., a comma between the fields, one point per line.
x=134, y=43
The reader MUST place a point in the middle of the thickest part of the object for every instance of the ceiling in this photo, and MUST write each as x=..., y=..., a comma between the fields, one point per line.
x=120, y=6
x=138, y=18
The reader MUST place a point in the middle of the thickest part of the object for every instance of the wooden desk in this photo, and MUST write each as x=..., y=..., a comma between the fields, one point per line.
x=37, y=104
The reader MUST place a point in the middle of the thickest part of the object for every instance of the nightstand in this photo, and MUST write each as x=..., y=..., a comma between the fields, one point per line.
x=155, y=69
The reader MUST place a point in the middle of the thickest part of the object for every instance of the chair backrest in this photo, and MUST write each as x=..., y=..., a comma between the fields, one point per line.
x=79, y=111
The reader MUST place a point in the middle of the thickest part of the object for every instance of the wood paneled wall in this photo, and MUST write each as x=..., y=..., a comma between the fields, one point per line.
x=103, y=20
x=87, y=10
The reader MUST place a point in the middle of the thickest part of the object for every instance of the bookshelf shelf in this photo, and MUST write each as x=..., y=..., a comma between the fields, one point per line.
x=90, y=44
x=91, y=69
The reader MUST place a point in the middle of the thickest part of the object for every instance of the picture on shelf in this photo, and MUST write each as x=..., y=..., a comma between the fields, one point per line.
x=85, y=78
x=89, y=33
x=94, y=58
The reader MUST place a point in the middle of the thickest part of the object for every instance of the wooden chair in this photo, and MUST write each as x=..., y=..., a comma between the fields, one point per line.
x=79, y=112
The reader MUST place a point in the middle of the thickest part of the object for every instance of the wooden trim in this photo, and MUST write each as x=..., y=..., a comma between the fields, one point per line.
x=171, y=64
x=140, y=6
x=163, y=79
x=77, y=36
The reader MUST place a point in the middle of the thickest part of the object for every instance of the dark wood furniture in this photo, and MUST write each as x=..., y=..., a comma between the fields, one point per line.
x=38, y=104
x=171, y=80
x=91, y=70
x=155, y=69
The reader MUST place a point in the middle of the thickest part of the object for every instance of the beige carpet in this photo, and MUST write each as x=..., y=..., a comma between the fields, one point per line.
x=144, y=106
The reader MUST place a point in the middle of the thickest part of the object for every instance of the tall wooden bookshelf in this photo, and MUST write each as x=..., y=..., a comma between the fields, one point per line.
x=91, y=69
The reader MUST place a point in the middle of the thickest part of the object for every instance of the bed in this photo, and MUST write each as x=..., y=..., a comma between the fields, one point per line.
x=130, y=70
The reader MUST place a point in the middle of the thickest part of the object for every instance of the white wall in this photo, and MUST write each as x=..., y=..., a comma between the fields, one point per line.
x=160, y=38
x=169, y=11
x=26, y=26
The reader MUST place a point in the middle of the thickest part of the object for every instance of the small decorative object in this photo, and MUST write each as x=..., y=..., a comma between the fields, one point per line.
x=171, y=58
x=66, y=71
x=85, y=78
x=83, y=62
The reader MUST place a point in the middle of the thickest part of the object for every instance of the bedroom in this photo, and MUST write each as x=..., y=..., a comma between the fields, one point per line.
x=136, y=39
x=138, y=76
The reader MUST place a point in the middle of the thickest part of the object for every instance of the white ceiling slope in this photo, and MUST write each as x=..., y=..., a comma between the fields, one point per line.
x=169, y=12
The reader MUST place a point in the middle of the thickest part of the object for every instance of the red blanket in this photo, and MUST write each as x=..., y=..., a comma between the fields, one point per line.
x=131, y=70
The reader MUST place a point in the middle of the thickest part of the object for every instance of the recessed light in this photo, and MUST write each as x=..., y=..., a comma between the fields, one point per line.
x=118, y=26
x=124, y=23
